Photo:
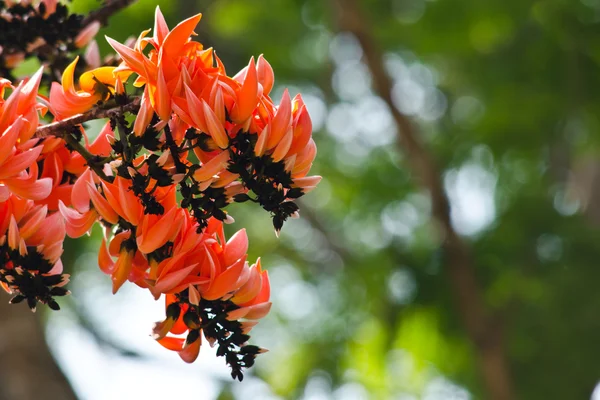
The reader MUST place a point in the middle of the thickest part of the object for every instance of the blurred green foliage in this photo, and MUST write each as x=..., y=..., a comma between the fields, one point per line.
x=505, y=96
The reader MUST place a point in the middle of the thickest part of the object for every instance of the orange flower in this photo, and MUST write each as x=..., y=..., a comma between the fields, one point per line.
x=95, y=85
x=160, y=71
x=229, y=285
x=249, y=147
x=30, y=249
x=18, y=151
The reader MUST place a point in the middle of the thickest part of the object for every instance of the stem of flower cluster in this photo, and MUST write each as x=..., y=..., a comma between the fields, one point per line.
x=62, y=128
x=91, y=159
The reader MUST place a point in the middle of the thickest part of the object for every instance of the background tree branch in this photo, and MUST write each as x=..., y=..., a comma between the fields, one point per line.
x=109, y=8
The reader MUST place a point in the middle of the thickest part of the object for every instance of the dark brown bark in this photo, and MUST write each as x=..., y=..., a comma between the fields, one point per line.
x=27, y=369
x=485, y=333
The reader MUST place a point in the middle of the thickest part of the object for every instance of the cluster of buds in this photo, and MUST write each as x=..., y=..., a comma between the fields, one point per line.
x=34, y=174
x=158, y=184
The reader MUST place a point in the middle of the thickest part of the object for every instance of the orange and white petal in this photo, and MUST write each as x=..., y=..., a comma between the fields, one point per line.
x=130, y=57
x=19, y=163
x=251, y=288
x=172, y=279
x=261, y=144
x=212, y=167
x=77, y=224
x=144, y=116
x=226, y=282
x=254, y=312
x=13, y=234
x=29, y=187
x=160, y=232
x=161, y=100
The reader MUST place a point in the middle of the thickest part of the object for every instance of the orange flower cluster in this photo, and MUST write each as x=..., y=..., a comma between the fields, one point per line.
x=158, y=184
x=187, y=85
x=166, y=254
x=35, y=176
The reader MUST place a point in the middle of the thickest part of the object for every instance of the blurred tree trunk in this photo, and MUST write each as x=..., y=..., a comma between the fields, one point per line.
x=583, y=185
x=482, y=326
x=27, y=369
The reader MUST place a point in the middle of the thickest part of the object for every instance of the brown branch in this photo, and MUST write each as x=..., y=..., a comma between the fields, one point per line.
x=480, y=327
x=109, y=8
x=62, y=128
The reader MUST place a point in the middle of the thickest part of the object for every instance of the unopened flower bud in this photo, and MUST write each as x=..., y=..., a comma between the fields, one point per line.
x=87, y=34
x=92, y=55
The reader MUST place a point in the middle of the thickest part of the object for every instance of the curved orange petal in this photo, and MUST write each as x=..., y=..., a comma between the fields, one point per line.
x=19, y=162
x=171, y=343
x=215, y=128
x=282, y=120
x=161, y=30
x=31, y=223
x=212, y=167
x=77, y=224
x=168, y=281
x=190, y=352
x=225, y=282
x=265, y=74
x=178, y=37
x=247, y=97
x=160, y=232
x=122, y=269
x=130, y=57
x=105, y=261
x=9, y=138
x=101, y=205
x=236, y=247
x=30, y=188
